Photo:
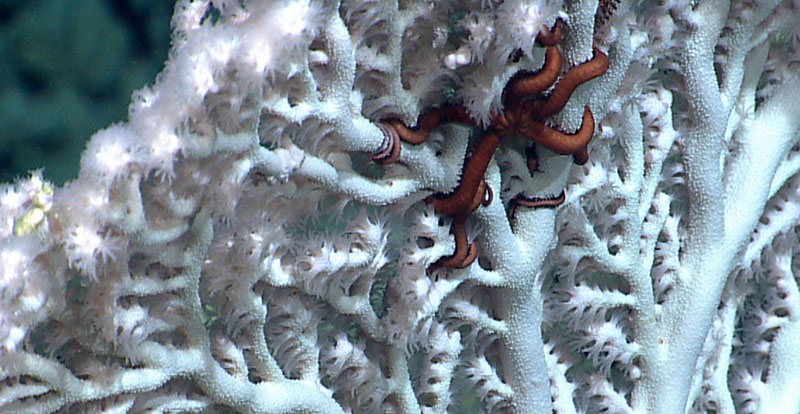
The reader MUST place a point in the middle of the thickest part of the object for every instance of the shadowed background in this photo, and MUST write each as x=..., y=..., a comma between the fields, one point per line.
x=68, y=69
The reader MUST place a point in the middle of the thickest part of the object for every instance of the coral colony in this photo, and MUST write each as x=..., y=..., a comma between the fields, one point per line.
x=472, y=206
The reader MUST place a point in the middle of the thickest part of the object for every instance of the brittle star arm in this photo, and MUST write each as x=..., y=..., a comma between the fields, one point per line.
x=389, y=152
x=465, y=252
x=460, y=202
x=572, y=79
x=429, y=121
x=525, y=84
x=553, y=36
x=535, y=202
x=560, y=142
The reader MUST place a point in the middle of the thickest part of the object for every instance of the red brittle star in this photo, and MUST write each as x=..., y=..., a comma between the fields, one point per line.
x=523, y=114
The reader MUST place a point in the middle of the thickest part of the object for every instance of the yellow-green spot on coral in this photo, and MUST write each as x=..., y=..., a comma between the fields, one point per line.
x=29, y=222
x=33, y=219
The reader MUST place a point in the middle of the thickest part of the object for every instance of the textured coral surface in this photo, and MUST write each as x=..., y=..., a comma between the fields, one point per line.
x=425, y=207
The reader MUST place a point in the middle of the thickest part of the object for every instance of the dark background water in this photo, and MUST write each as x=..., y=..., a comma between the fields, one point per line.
x=67, y=69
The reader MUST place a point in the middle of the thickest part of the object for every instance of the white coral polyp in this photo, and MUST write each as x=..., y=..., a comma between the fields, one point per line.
x=293, y=25
x=481, y=33
x=110, y=151
x=11, y=199
x=526, y=19
x=10, y=337
x=85, y=245
x=293, y=18
x=12, y=265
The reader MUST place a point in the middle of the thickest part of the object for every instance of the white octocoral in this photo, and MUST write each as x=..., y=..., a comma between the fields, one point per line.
x=526, y=19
